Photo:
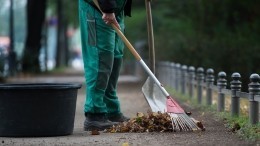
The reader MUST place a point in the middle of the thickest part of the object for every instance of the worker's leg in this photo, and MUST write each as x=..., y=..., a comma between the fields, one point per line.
x=111, y=98
x=98, y=56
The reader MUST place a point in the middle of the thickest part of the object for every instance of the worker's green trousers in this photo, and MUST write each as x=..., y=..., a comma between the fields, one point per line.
x=102, y=51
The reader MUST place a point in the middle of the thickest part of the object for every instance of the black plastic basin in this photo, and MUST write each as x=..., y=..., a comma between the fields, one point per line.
x=37, y=109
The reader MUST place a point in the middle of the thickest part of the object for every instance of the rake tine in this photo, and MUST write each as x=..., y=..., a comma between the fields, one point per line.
x=192, y=127
x=187, y=125
x=193, y=124
x=173, y=124
x=184, y=123
x=180, y=123
x=174, y=118
x=188, y=122
x=173, y=127
x=176, y=123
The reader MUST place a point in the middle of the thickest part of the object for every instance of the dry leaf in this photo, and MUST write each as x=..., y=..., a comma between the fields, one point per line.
x=125, y=144
x=95, y=132
x=150, y=122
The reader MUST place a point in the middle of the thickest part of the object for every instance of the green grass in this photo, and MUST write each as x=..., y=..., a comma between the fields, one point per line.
x=239, y=125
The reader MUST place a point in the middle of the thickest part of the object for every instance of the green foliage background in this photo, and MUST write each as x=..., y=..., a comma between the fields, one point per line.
x=223, y=35
x=219, y=34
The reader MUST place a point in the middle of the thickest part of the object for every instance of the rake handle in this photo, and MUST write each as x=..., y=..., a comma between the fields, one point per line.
x=150, y=35
x=122, y=36
x=127, y=43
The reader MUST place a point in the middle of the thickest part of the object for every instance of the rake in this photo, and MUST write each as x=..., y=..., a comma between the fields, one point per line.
x=156, y=95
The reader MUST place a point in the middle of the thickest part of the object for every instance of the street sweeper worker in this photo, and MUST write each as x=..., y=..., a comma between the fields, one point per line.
x=102, y=51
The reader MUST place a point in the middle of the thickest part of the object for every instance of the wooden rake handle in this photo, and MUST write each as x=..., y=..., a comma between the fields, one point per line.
x=122, y=36
x=150, y=35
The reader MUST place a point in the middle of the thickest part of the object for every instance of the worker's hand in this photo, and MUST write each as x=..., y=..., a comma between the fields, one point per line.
x=110, y=18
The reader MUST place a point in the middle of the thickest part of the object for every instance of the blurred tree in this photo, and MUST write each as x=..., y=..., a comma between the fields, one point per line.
x=219, y=34
x=67, y=16
x=62, y=44
x=66, y=11
x=35, y=20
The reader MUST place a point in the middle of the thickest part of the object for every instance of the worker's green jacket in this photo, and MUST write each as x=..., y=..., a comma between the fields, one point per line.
x=114, y=6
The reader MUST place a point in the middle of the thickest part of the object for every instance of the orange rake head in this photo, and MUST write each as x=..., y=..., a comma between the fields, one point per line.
x=173, y=107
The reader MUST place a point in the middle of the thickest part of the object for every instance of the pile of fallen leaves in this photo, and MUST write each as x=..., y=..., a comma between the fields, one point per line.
x=150, y=122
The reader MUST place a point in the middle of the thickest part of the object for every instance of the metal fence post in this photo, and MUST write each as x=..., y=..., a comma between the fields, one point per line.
x=191, y=79
x=164, y=72
x=168, y=73
x=235, y=86
x=222, y=83
x=157, y=70
x=210, y=81
x=177, y=70
x=183, y=79
x=254, y=89
x=172, y=74
x=200, y=78
x=161, y=71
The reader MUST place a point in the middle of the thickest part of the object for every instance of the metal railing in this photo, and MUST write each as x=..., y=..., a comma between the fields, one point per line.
x=188, y=80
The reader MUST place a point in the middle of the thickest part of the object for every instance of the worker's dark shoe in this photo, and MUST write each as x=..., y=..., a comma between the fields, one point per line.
x=118, y=118
x=97, y=122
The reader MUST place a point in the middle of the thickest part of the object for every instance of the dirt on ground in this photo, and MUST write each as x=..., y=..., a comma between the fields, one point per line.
x=215, y=134
x=133, y=101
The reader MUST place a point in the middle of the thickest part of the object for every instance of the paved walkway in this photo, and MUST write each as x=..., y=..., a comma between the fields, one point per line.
x=132, y=101
x=129, y=92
